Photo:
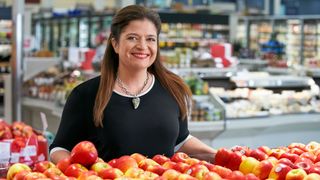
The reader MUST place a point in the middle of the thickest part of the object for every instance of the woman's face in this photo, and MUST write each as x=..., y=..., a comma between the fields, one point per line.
x=137, y=45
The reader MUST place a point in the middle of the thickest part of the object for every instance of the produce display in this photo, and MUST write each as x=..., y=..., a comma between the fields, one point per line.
x=297, y=161
x=20, y=143
x=245, y=102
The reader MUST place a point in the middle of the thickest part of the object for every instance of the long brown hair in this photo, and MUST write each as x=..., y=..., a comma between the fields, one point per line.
x=173, y=83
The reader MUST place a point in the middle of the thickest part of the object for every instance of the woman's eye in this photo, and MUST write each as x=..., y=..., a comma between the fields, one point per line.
x=152, y=39
x=132, y=38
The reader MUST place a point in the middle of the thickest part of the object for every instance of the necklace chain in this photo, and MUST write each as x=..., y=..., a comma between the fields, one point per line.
x=125, y=89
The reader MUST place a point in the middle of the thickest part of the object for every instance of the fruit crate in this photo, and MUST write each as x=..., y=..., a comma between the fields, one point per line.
x=25, y=150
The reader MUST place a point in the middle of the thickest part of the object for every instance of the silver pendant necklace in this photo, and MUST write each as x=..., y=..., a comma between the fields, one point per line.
x=135, y=99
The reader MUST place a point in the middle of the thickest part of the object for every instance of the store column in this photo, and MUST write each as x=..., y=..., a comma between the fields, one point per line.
x=17, y=59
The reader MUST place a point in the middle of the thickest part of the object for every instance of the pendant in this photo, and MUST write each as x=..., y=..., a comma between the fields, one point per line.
x=136, y=102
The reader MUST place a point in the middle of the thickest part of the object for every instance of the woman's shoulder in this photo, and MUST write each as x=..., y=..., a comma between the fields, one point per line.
x=89, y=85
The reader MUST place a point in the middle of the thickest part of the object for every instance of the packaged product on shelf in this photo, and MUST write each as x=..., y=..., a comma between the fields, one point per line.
x=20, y=143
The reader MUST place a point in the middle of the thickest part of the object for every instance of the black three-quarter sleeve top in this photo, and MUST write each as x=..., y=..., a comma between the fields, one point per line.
x=153, y=128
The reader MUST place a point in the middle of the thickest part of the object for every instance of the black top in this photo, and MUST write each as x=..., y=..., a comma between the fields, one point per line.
x=153, y=128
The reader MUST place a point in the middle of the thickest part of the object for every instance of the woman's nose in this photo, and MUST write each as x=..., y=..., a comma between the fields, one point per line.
x=142, y=44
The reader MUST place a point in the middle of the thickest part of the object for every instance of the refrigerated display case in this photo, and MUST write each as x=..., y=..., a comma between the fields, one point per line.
x=73, y=32
x=83, y=32
x=300, y=34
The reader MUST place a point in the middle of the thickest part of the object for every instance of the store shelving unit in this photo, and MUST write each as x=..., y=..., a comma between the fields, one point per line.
x=5, y=55
x=35, y=65
x=300, y=34
x=81, y=30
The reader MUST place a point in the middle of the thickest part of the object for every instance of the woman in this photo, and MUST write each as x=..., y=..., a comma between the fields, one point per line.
x=136, y=105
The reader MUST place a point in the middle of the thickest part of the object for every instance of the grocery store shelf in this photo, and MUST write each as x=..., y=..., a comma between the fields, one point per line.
x=43, y=104
x=275, y=70
x=205, y=72
x=313, y=72
x=206, y=129
x=35, y=65
x=273, y=121
x=272, y=81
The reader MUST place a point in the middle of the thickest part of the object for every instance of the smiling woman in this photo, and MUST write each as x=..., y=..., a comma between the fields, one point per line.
x=136, y=105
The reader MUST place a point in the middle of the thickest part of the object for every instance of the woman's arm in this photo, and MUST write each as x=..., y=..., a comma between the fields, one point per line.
x=197, y=149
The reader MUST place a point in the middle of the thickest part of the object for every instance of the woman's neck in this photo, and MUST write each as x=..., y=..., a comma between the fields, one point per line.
x=133, y=82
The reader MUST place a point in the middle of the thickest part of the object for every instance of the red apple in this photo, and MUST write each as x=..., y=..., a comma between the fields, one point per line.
x=237, y=175
x=192, y=161
x=160, y=159
x=17, y=127
x=134, y=172
x=53, y=173
x=181, y=167
x=277, y=153
x=265, y=149
x=5, y=131
x=292, y=157
x=143, y=164
x=258, y=154
x=313, y=147
x=314, y=169
x=308, y=155
x=21, y=174
x=279, y=171
x=148, y=175
x=273, y=160
x=296, y=174
x=89, y=175
x=185, y=177
x=74, y=170
x=169, y=164
x=125, y=162
x=317, y=164
x=111, y=173
x=298, y=145
x=263, y=169
x=112, y=162
x=158, y=169
x=84, y=153
x=171, y=174
x=251, y=176
x=138, y=157
x=287, y=162
x=207, y=164
x=212, y=176
x=248, y=164
x=15, y=168
x=303, y=159
x=242, y=149
x=304, y=165
x=42, y=166
x=296, y=151
x=317, y=158
x=198, y=171
x=235, y=160
x=34, y=176
x=179, y=157
x=222, y=157
x=312, y=176
x=222, y=171
x=63, y=164
x=27, y=131
x=99, y=166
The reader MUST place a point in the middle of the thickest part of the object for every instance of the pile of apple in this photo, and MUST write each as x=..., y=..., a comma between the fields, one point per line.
x=297, y=161
x=16, y=130
x=84, y=164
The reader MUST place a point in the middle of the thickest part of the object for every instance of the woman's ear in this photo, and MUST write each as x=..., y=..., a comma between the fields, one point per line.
x=115, y=45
